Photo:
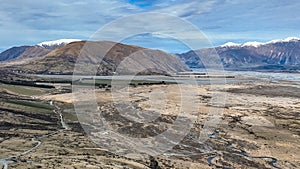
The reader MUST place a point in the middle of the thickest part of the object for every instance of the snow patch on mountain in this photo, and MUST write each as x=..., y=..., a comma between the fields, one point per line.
x=253, y=44
x=230, y=44
x=257, y=44
x=58, y=42
x=289, y=39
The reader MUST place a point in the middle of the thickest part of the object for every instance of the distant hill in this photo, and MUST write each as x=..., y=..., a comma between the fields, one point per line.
x=281, y=54
x=23, y=52
x=59, y=57
x=120, y=59
x=32, y=52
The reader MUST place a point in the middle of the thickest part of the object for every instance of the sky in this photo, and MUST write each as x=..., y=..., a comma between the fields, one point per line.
x=33, y=21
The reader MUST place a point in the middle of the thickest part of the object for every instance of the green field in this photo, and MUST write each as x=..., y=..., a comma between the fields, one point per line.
x=25, y=106
x=22, y=90
x=38, y=105
x=125, y=82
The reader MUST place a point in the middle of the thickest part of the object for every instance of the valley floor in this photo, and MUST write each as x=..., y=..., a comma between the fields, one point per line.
x=259, y=126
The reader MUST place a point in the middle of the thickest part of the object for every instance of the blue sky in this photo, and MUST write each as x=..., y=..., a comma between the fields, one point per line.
x=32, y=21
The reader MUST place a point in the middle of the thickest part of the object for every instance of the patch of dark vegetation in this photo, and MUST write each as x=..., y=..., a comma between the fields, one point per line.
x=54, y=81
x=234, y=121
x=237, y=159
x=166, y=119
x=7, y=126
x=9, y=135
x=129, y=127
x=5, y=95
x=283, y=113
x=26, y=83
x=245, y=144
x=31, y=115
x=269, y=90
x=76, y=127
x=149, y=83
x=154, y=163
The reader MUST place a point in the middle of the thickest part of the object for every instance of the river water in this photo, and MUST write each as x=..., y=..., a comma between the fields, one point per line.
x=271, y=76
x=241, y=76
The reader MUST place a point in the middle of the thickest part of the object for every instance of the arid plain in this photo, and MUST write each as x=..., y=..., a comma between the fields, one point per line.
x=259, y=126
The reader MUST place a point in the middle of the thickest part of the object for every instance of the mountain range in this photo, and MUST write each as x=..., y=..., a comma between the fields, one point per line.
x=59, y=57
x=275, y=55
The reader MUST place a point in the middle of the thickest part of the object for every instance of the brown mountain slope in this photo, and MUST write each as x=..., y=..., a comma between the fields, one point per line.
x=34, y=52
x=23, y=52
x=109, y=57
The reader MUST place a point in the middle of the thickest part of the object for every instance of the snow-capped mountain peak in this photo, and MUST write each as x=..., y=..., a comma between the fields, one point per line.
x=288, y=39
x=257, y=44
x=57, y=43
x=253, y=44
x=230, y=44
x=247, y=44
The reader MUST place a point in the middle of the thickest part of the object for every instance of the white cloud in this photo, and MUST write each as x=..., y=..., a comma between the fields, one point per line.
x=32, y=21
x=188, y=9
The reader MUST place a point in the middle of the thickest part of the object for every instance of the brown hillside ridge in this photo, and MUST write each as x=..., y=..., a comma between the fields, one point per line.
x=22, y=53
x=118, y=57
